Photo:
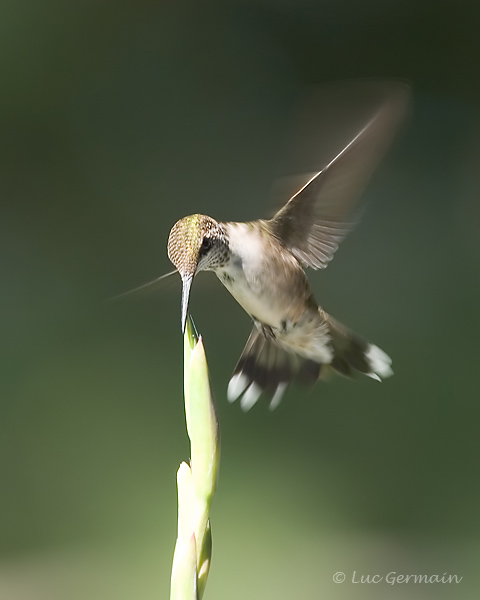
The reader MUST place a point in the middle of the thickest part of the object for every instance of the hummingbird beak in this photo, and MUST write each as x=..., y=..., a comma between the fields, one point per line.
x=187, y=284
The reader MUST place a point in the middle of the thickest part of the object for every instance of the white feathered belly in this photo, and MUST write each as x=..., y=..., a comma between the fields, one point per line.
x=308, y=336
x=258, y=303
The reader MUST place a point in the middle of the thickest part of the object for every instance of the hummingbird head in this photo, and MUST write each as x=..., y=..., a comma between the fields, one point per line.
x=196, y=243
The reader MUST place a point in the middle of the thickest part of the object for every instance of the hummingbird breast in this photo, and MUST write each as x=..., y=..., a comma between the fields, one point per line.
x=265, y=278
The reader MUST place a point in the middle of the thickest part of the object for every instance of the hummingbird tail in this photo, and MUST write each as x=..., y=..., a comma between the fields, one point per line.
x=264, y=367
x=267, y=368
x=352, y=353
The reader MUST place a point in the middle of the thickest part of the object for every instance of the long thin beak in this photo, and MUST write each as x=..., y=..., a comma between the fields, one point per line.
x=187, y=284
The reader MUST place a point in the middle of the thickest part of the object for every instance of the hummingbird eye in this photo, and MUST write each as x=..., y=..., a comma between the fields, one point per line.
x=207, y=243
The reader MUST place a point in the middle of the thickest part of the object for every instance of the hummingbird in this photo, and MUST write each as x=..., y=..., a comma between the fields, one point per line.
x=262, y=264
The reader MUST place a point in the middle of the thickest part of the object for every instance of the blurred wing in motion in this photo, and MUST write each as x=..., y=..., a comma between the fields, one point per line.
x=315, y=219
x=150, y=285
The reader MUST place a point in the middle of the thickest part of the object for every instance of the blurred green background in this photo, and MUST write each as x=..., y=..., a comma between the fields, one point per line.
x=116, y=120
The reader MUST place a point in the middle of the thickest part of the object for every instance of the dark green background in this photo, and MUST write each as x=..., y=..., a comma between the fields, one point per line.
x=118, y=118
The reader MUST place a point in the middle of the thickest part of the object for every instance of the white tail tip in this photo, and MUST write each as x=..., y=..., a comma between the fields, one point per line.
x=237, y=385
x=380, y=363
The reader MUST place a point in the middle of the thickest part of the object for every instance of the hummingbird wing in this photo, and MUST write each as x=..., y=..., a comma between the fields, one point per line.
x=316, y=219
x=145, y=286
